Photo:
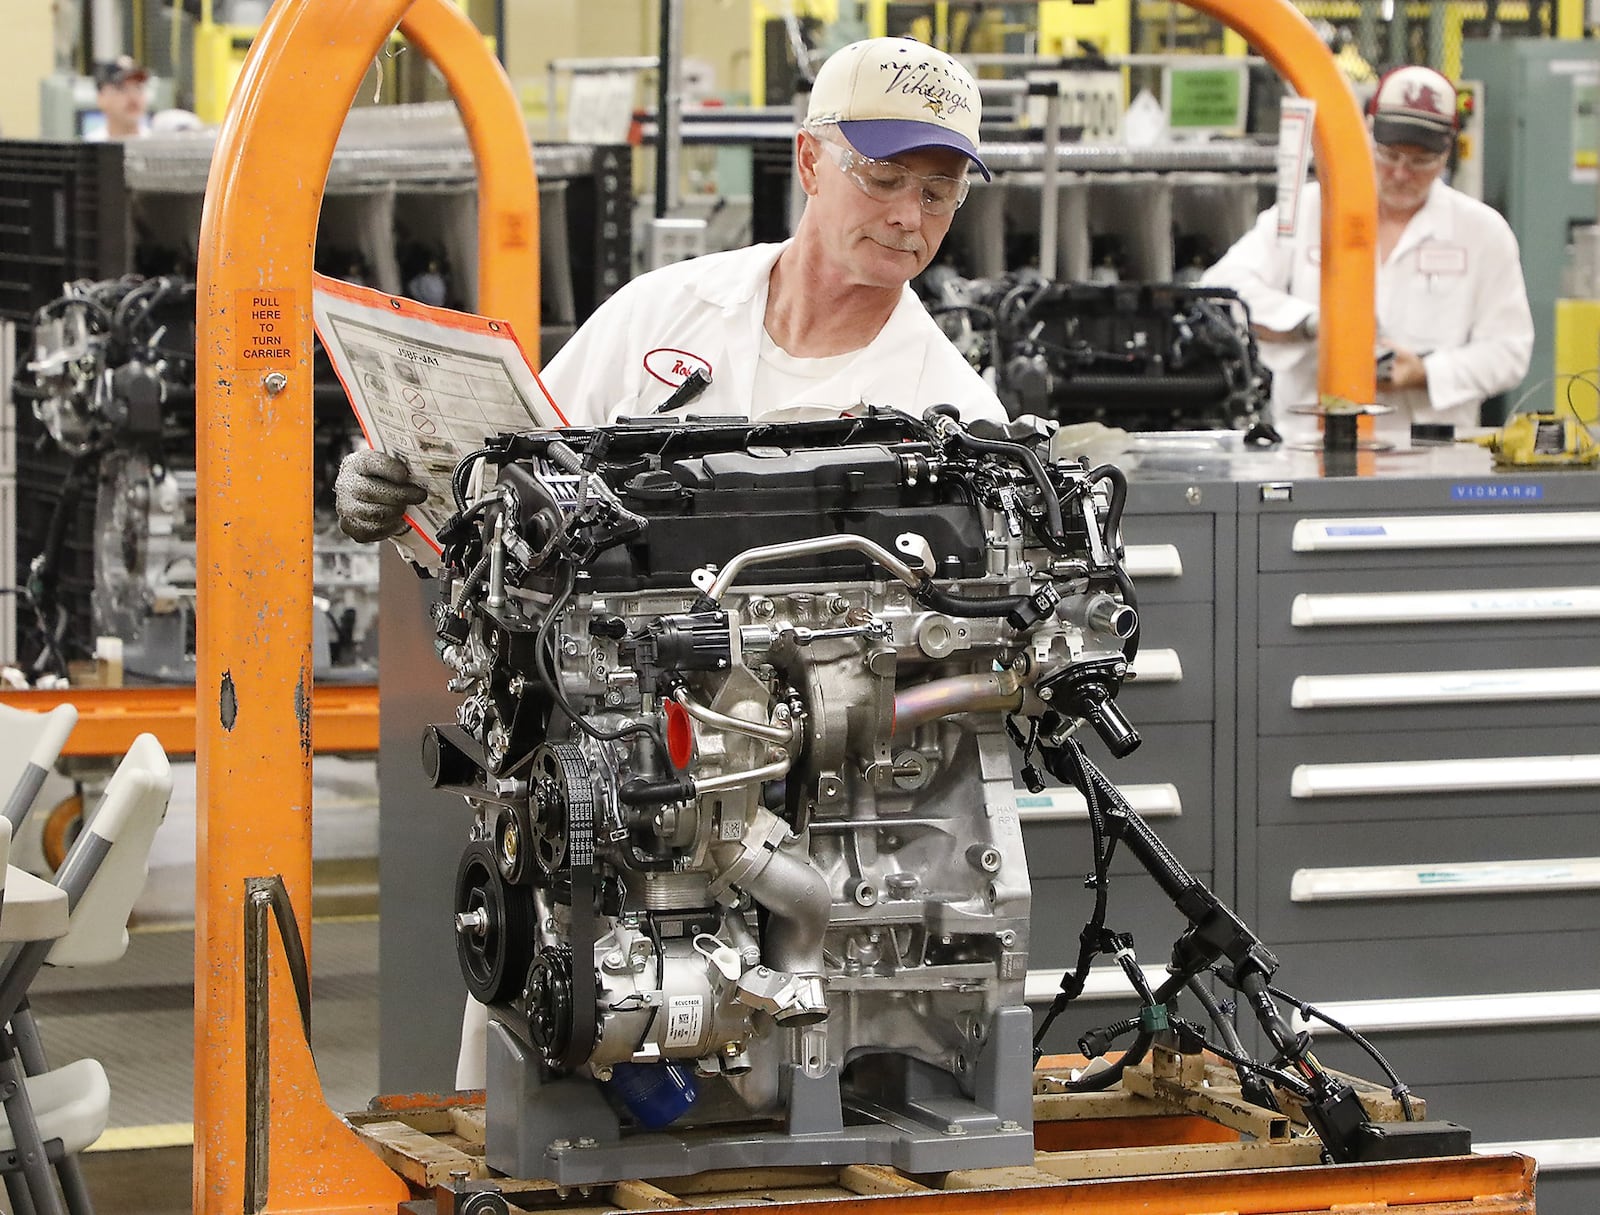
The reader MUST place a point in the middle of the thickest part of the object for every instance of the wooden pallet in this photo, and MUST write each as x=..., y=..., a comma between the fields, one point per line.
x=1161, y=1144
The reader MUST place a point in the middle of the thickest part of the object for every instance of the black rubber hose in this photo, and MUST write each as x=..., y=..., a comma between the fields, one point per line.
x=1119, y=496
x=1029, y=460
x=655, y=793
x=929, y=594
x=462, y=473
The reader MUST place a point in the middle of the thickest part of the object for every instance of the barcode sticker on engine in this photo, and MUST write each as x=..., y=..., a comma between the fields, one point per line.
x=685, y=1015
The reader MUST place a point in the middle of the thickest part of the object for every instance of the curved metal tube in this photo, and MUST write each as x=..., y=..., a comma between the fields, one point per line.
x=804, y=548
x=959, y=694
x=796, y=894
x=732, y=780
x=782, y=735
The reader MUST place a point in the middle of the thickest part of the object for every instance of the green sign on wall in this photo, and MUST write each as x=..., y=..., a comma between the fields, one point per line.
x=1206, y=99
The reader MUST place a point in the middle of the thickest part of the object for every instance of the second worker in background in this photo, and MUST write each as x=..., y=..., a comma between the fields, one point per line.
x=1453, y=322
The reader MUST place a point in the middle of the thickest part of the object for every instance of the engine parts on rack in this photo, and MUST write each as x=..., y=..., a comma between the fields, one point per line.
x=1139, y=356
x=112, y=381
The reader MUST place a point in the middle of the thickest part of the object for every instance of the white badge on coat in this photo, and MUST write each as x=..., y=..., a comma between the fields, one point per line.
x=673, y=367
x=1435, y=258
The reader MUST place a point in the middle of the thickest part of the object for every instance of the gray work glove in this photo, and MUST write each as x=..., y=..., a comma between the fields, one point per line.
x=372, y=493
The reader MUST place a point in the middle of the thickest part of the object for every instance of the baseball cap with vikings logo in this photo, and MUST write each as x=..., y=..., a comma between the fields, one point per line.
x=894, y=95
x=1415, y=105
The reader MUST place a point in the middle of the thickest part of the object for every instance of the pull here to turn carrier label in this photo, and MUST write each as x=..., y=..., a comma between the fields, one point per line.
x=267, y=321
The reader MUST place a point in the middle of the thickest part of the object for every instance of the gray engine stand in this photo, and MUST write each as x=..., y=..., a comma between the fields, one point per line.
x=563, y=1129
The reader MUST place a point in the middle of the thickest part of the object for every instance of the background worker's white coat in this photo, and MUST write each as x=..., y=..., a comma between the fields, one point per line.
x=1451, y=290
x=712, y=309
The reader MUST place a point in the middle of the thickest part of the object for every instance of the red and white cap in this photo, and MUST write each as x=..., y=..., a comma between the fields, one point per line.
x=894, y=95
x=1415, y=105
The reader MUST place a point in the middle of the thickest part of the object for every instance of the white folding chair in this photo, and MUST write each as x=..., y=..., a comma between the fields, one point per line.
x=30, y=744
x=51, y=1115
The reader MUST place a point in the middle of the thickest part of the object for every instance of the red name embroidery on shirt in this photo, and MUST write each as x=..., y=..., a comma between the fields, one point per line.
x=673, y=367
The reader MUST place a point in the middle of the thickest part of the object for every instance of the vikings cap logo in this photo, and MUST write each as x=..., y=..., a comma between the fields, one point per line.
x=894, y=95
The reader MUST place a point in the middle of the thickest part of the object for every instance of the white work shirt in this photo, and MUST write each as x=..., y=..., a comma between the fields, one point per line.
x=708, y=314
x=1451, y=291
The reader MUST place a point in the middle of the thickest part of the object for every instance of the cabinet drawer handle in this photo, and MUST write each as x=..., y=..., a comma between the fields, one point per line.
x=1152, y=561
x=1102, y=983
x=1359, y=882
x=1461, y=1012
x=1063, y=805
x=1435, y=607
x=1157, y=666
x=1372, y=534
x=1443, y=687
x=1553, y=1155
x=1445, y=776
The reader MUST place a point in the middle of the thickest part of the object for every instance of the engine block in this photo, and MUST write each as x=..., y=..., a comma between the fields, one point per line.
x=746, y=881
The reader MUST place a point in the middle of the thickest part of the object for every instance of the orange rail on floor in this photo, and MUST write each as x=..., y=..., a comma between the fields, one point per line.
x=344, y=717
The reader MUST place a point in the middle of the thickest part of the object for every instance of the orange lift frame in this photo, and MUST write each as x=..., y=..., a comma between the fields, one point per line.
x=265, y=1139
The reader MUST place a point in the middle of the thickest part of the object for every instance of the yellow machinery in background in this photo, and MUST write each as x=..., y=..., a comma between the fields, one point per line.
x=1577, y=387
x=219, y=55
x=1541, y=440
x=219, y=51
x=1060, y=26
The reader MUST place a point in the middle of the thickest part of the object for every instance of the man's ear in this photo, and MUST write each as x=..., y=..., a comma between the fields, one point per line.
x=807, y=152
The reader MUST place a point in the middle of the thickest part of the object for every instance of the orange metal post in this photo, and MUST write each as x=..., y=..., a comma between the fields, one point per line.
x=508, y=193
x=267, y=1141
x=1278, y=30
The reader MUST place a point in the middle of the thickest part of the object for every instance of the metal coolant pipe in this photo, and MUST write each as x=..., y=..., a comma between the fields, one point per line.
x=797, y=896
x=938, y=698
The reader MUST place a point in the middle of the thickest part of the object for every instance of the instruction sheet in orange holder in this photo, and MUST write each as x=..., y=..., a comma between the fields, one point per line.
x=428, y=385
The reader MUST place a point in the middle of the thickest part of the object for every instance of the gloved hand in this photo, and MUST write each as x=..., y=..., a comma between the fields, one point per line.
x=371, y=494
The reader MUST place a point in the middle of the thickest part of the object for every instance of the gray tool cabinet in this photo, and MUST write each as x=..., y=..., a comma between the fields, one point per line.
x=1422, y=755
x=1386, y=742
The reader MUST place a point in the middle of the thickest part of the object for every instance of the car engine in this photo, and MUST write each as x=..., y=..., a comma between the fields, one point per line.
x=112, y=382
x=745, y=880
x=1140, y=356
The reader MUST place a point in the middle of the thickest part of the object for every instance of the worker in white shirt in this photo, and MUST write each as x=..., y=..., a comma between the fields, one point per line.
x=819, y=325
x=822, y=324
x=1452, y=309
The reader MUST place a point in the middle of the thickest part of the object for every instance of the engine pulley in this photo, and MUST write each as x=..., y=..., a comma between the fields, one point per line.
x=513, y=836
x=562, y=784
x=494, y=926
x=548, y=997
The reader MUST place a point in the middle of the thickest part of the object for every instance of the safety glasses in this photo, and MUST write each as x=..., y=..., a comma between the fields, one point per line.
x=1417, y=162
x=885, y=181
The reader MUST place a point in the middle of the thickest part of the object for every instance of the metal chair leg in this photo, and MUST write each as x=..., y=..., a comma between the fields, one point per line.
x=25, y=1033
x=73, y=1187
x=17, y=1191
x=32, y=1161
